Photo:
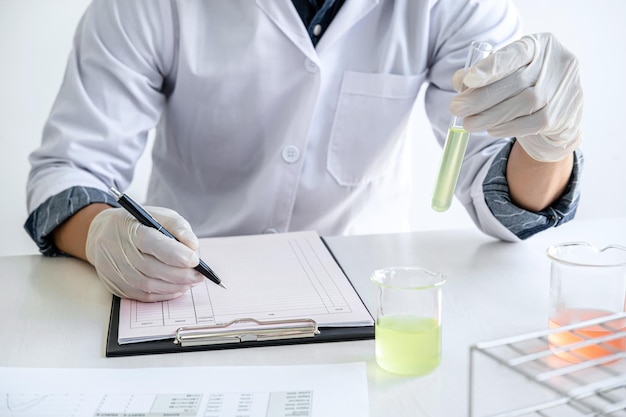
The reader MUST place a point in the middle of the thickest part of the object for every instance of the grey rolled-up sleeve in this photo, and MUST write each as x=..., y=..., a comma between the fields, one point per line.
x=58, y=208
x=524, y=223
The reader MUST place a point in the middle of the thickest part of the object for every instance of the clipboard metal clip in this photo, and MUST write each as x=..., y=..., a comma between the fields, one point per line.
x=245, y=330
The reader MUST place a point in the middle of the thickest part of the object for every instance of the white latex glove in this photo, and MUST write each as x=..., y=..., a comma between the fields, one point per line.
x=138, y=262
x=529, y=89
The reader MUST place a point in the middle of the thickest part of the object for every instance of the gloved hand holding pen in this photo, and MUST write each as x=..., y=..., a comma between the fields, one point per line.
x=529, y=89
x=138, y=262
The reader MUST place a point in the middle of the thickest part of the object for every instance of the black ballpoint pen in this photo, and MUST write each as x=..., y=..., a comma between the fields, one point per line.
x=146, y=219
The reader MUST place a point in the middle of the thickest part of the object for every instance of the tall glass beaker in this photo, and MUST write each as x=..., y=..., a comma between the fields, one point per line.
x=586, y=283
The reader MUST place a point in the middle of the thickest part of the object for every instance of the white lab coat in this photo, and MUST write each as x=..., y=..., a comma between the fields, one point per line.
x=257, y=130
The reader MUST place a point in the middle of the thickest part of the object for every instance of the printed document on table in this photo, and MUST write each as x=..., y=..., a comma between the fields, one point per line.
x=338, y=390
x=268, y=277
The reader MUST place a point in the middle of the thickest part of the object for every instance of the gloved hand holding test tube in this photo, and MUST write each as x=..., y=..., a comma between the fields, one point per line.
x=456, y=142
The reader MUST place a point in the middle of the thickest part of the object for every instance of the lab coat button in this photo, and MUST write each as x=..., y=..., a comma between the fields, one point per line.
x=317, y=29
x=311, y=66
x=270, y=230
x=291, y=154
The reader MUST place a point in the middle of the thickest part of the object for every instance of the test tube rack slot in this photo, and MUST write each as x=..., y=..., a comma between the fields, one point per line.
x=572, y=371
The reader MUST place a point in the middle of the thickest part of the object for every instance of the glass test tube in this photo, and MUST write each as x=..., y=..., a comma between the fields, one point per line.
x=456, y=143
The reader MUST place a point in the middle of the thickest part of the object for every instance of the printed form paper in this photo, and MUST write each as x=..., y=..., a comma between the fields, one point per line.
x=268, y=277
x=338, y=390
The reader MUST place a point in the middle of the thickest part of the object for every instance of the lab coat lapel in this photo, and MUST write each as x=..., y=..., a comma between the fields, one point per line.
x=286, y=18
x=351, y=12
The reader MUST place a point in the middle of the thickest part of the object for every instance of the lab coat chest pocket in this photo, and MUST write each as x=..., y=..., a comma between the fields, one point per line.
x=371, y=113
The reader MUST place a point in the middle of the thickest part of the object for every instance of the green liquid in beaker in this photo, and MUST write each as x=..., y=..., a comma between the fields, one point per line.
x=451, y=161
x=407, y=344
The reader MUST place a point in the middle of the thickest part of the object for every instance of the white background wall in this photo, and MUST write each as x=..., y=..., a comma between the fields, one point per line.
x=35, y=39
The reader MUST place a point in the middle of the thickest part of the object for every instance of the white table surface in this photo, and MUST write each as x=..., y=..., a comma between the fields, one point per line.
x=55, y=313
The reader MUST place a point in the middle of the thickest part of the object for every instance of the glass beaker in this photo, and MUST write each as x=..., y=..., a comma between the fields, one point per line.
x=408, y=319
x=586, y=283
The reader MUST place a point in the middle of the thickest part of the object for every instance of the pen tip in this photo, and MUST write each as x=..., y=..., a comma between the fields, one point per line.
x=222, y=285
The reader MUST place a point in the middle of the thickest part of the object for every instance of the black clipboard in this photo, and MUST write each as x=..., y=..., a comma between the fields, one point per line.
x=321, y=334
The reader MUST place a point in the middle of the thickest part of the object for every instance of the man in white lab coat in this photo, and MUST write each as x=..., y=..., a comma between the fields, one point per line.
x=281, y=115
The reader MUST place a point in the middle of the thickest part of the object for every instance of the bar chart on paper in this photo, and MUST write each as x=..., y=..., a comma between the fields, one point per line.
x=109, y=405
x=28, y=404
x=305, y=391
x=256, y=404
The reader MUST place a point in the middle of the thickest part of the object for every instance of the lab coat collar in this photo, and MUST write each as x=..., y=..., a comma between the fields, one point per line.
x=285, y=16
x=350, y=13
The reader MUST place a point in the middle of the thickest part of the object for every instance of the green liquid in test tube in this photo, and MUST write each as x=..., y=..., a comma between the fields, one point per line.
x=456, y=143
